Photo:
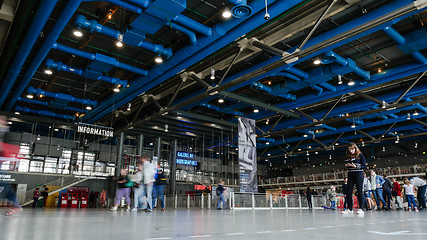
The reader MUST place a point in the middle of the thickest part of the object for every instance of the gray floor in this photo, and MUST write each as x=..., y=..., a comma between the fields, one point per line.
x=94, y=224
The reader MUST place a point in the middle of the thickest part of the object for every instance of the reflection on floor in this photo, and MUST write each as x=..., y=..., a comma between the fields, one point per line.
x=92, y=224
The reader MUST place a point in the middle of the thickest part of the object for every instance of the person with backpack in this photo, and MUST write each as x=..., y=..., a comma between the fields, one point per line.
x=220, y=193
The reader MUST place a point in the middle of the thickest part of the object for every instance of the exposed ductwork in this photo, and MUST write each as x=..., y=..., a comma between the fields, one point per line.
x=59, y=66
x=52, y=104
x=62, y=96
x=222, y=109
x=241, y=10
x=43, y=112
x=331, y=57
x=275, y=90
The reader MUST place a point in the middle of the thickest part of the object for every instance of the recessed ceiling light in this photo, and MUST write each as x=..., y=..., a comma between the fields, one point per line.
x=158, y=59
x=48, y=72
x=119, y=44
x=30, y=96
x=226, y=13
x=78, y=33
x=256, y=110
x=221, y=100
x=317, y=61
x=88, y=108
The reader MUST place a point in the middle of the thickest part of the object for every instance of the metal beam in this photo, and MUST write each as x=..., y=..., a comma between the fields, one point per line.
x=200, y=81
x=317, y=24
x=388, y=129
x=419, y=122
x=176, y=93
x=319, y=142
x=277, y=122
x=229, y=67
x=305, y=115
x=258, y=104
x=336, y=140
x=409, y=88
x=332, y=108
x=366, y=96
x=369, y=136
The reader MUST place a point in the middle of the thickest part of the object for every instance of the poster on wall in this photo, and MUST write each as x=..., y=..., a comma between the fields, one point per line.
x=247, y=155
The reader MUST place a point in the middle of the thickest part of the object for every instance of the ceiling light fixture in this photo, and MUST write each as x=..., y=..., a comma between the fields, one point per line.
x=317, y=61
x=305, y=135
x=256, y=110
x=221, y=100
x=129, y=107
x=48, y=72
x=158, y=59
x=339, y=79
x=415, y=113
x=397, y=139
x=408, y=116
x=30, y=96
x=109, y=15
x=383, y=105
x=166, y=128
x=41, y=95
x=416, y=145
x=78, y=33
x=267, y=121
x=226, y=13
x=88, y=108
x=119, y=44
x=17, y=113
x=351, y=82
x=116, y=89
x=379, y=70
x=212, y=73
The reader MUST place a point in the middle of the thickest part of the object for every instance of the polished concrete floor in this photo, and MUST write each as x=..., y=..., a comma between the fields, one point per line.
x=94, y=224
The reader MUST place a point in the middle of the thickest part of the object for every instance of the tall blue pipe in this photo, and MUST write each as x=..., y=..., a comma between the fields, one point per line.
x=43, y=112
x=62, y=21
x=94, y=26
x=37, y=23
x=96, y=76
x=99, y=57
x=400, y=39
x=191, y=35
x=62, y=96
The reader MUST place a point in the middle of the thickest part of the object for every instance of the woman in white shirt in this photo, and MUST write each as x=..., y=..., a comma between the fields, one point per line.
x=409, y=193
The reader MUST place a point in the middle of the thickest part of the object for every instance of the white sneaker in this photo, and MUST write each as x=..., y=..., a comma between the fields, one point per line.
x=134, y=209
x=346, y=211
x=113, y=209
x=360, y=212
x=128, y=208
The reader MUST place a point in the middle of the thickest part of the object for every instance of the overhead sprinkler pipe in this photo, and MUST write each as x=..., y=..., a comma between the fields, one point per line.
x=94, y=26
x=99, y=57
x=59, y=66
x=62, y=96
x=332, y=57
x=43, y=112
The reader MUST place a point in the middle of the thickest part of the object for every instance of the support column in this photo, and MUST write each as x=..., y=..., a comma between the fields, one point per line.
x=120, y=154
x=158, y=150
x=173, y=168
x=141, y=145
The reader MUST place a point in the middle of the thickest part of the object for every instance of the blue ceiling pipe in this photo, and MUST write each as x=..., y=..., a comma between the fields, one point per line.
x=401, y=40
x=241, y=10
x=192, y=54
x=331, y=57
x=276, y=90
x=94, y=26
x=43, y=112
x=346, y=129
x=222, y=109
x=141, y=3
x=321, y=38
x=37, y=23
x=355, y=106
x=34, y=101
x=62, y=96
x=99, y=57
x=89, y=74
x=191, y=35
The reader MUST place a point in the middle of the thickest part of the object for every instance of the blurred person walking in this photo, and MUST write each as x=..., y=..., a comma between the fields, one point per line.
x=220, y=193
x=36, y=196
x=377, y=189
x=138, y=189
x=149, y=179
x=123, y=190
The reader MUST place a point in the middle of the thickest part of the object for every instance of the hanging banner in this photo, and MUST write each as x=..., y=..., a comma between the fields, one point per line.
x=95, y=130
x=247, y=155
